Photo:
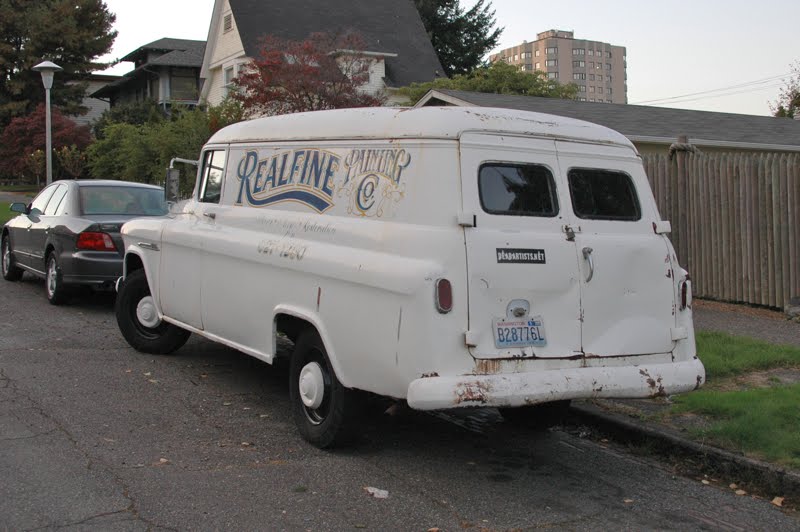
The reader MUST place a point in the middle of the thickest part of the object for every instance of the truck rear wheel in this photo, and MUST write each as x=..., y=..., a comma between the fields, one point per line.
x=139, y=322
x=325, y=412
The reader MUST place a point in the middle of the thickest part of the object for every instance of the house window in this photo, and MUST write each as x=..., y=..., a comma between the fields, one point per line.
x=552, y=75
x=579, y=64
x=227, y=23
x=227, y=81
x=578, y=75
x=183, y=85
x=551, y=50
x=551, y=62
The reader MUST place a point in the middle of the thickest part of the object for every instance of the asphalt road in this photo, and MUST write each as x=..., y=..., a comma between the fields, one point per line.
x=94, y=435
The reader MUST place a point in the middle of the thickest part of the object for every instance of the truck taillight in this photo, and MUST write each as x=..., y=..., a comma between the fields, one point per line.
x=686, y=292
x=94, y=241
x=443, y=296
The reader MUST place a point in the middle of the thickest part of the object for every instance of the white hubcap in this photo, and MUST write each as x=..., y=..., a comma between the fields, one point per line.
x=146, y=313
x=312, y=385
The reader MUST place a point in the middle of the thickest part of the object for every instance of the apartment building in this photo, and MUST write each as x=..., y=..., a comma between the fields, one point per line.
x=597, y=68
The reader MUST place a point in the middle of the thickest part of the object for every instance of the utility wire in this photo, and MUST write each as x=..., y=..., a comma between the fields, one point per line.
x=723, y=95
x=741, y=85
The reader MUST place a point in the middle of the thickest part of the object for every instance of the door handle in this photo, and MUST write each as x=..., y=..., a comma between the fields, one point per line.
x=587, y=255
x=211, y=215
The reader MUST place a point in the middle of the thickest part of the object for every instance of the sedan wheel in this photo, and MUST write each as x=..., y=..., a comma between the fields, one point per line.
x=56, y=291
x=10, y=271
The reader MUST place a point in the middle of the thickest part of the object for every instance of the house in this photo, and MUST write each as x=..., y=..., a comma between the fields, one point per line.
x=166, y=70
x=651, y=129
x=95, y=106
x=397, y=44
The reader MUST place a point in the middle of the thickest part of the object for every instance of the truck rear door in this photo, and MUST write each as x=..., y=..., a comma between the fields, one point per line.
x=523, y=270
x=626, y=279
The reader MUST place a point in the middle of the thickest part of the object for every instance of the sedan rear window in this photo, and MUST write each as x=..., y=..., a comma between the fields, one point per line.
x=517, y=190
x=122, y=200
x=603, y=195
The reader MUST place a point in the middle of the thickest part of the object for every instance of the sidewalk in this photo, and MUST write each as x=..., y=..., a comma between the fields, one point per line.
x=634, y=420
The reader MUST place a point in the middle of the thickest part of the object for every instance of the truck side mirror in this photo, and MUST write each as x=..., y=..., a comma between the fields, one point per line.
x=172, y=185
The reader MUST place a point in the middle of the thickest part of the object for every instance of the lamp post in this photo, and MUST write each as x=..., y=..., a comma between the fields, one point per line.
x=47, y=69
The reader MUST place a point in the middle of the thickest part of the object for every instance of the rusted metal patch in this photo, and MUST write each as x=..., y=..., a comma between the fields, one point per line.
x=656, y=388
x=487, y=366
x=472, y=392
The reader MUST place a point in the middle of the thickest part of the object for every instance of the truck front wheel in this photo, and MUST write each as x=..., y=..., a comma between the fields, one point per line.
x=139, y=322
x=325, y=412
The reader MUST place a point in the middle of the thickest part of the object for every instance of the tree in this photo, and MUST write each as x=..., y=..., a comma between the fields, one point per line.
x=321, y=72
x=26, y=134
x=497, y=78
x=788, y=103
x=71, y=33
x=142, y=152
x=461, y=38
x=136, y=113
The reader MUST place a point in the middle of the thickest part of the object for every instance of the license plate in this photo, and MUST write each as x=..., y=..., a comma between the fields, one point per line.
x=528, y=332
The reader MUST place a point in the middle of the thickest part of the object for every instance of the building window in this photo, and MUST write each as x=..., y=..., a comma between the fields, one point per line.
x=609, y=101
x=551, y=62
x=591, y=88
x=579, y=64
x=578, y=75
x=578, y=51
x=591, y=64
x=227, y=23
x=516, y=57
x=608, y=78
x=581, y=99
x=582, y=88
x=608, y=66
x=538, y=53
x=227, y=81
x=551, y=50
x=526, y=55
x=609, y=90
x=608, y=55
x=552, y=75
x=598, y=66
x=599, y=77
x=591, y=53
x=538, y=66
x=591, y=77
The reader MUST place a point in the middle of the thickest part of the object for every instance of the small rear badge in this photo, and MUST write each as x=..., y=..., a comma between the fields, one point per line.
x=520, y=256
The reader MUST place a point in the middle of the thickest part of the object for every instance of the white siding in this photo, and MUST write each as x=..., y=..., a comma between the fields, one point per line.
x=215, y=86
x=96, y=107
x=228, y=51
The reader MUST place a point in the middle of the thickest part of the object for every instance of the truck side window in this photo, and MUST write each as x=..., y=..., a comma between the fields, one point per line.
x=213, y=172
x=603, y=195
x=517, y=190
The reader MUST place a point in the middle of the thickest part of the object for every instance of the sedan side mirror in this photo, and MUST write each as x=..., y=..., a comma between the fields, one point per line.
x=19, y=207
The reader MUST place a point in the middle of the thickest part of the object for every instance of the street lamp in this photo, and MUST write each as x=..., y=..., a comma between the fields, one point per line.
x=47, y=69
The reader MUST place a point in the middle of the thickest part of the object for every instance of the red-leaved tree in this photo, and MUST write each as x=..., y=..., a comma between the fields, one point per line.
x=25, y=135
x=321, y=72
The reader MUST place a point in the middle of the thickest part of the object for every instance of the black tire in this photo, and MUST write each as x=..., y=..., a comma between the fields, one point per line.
x=540, y=416
x=161, y=338
x=334, y=421
x=11, y=272
x=54, y=287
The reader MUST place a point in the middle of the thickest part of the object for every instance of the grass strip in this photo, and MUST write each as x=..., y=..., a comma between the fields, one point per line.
x=724, y=355
x=764, y=422
x=25, y=189
x=5, y=213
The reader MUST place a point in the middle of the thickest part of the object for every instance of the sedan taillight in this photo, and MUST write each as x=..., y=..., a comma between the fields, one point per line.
x=94, y=241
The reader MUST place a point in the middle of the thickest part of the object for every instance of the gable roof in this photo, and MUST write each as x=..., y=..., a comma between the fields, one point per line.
x=387, y=26
x=642, y=123
x=184, y=52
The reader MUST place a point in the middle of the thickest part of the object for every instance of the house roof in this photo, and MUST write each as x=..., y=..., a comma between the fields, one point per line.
x=186, y=50
x=387, y=26
x=644, y=123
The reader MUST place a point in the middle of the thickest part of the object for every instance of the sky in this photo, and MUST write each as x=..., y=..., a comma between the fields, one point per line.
x=728, y=56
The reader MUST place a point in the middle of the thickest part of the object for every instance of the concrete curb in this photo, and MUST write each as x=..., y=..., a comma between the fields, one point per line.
x=767, y=477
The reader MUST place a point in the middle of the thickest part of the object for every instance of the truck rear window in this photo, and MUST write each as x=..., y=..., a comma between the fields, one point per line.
x=517, y=190
x=603, y=195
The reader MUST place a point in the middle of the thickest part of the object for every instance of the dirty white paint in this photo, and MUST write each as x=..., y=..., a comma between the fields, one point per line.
x=373, y=206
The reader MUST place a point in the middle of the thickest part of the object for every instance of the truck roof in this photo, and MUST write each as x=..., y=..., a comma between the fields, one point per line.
x=403, y=123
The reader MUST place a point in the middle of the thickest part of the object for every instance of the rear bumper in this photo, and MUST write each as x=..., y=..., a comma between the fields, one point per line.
x=91, y=267
x=518, y=389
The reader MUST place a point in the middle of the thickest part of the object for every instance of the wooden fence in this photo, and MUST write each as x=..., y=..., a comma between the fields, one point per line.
x=735, y=222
